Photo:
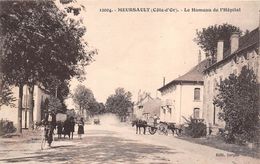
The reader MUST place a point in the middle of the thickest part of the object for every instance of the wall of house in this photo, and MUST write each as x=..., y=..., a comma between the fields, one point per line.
x=183, y=103
x=212, y=78
x=11, y=113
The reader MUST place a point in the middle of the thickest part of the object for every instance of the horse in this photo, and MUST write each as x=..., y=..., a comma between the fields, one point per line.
x=139, y=124
x=66, y=128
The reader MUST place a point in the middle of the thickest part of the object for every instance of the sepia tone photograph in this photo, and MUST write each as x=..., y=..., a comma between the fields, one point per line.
x=129, y=81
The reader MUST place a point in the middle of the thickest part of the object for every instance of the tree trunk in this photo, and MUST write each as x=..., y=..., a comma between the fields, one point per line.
x=20, y=103
x=1, y=68
x=31, y=104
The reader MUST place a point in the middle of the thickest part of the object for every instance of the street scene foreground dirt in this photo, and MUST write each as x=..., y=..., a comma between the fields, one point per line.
x=114, y=142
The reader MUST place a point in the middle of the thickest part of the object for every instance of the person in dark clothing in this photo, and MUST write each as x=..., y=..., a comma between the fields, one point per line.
x=80, y=128
x=66, y=128
x=49, y=126
x=59, y=129
x=72, y=126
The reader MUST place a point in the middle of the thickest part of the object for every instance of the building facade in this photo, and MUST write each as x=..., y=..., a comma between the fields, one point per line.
x=11, y=113
x=243, y=51
x=138, y=109
x=182, y=98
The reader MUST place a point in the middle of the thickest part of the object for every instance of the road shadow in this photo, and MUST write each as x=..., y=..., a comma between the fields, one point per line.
x=100, y=149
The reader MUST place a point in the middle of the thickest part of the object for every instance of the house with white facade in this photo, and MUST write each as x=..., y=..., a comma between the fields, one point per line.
x=11, y=113
x=138, y=109
x=243, y=51
x=182, y=98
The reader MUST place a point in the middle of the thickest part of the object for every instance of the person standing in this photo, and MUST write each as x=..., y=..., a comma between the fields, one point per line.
x=59, y=129
x=155, y=119
x=72, y=126
x=80, y=128
x=49, y=126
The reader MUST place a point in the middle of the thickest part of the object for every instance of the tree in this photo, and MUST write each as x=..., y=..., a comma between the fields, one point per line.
x=96, y=108
x=83, y=98
x=237, y=99
x=38, y=44
x=54, y=105
x=208, y=38
x=6, y=97
x=119, y=103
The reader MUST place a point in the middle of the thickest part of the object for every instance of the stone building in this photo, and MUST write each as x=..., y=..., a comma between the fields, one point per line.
x=243, y=51
x=182, y=98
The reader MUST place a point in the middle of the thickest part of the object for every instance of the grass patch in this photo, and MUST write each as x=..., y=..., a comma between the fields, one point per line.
x=217, y=142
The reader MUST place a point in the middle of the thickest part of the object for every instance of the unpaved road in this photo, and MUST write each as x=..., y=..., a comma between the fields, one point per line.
x=112, y=143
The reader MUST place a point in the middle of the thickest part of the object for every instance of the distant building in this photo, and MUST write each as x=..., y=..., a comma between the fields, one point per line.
x=183, y=97
x=139, y=105
x=11, y=113
x=151, y=108
x=243, y=51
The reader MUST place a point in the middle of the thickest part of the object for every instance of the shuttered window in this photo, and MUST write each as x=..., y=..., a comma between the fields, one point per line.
x=197, y=94
x=196, y=113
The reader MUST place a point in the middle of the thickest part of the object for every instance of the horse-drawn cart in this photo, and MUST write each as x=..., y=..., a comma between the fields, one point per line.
x=162, y=127
x=153, y=127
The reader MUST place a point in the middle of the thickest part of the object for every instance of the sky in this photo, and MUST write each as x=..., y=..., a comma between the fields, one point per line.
x=136, y=50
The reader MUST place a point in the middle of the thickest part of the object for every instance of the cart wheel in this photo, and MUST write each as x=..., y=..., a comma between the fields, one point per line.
x=152, y=130
x=179, y=132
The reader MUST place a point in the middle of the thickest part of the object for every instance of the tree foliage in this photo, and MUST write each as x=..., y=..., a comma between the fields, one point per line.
x=96, y=108
x=208, y=38
x=119, y=103
x=54, y=105
x=83, y=97
x=237, y=99
x=39, y=42
x=6, y=97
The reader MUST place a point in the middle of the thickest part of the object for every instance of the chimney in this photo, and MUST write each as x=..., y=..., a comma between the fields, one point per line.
x=234, y=42
x=199, y=57
x=163, y=81
x=220, y=49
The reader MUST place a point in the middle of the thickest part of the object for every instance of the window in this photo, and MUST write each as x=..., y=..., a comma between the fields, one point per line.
x=164, y=110
x=220, y=79
x=196, y=113
x=169, y=110
x=197, y=94
x=215, y=84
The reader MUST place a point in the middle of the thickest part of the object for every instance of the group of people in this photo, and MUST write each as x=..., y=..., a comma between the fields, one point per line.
x=68, y=128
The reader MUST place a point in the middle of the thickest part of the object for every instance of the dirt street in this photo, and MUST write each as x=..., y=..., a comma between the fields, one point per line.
x=115, y=143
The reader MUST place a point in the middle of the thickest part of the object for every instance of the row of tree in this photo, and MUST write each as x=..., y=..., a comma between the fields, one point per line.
x=40, y=45
x=118, y=103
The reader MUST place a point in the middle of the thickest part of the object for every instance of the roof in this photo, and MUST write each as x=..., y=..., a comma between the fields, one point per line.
x=245, y=42
x=194, y=75
x=143, y=98
x=153, y=106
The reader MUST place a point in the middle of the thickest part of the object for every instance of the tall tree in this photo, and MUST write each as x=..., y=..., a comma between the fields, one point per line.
x=238, y=99
x=119, y=103
x=54, y=105
x=83, y=98
x=6, y=96
x=39, y=44
x=208, y=38
x=96, y=108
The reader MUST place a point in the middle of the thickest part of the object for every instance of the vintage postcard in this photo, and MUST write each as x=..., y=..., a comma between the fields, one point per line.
x=129, y=81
